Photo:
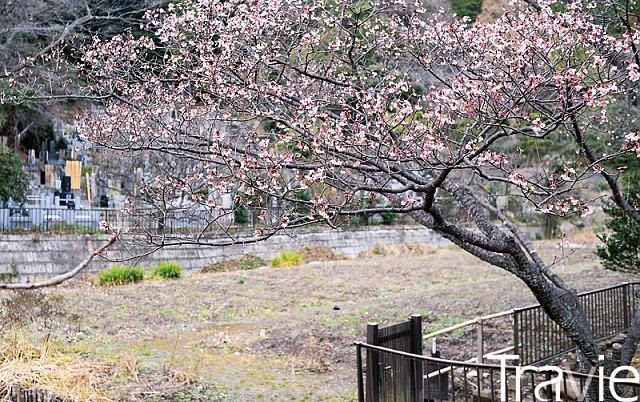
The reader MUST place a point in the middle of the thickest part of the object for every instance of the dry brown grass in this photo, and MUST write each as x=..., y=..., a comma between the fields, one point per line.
x=397, y=250
x=44, y=367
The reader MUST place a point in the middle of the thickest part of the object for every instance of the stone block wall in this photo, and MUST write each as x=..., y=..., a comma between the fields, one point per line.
x=36, y=255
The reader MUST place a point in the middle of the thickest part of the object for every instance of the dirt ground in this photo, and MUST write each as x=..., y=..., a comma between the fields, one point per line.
x=277, y=334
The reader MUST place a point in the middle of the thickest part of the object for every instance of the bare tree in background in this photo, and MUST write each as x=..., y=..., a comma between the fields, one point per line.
x=31, y=29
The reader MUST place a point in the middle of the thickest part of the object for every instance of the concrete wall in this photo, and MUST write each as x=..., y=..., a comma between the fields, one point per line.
x=37, y=256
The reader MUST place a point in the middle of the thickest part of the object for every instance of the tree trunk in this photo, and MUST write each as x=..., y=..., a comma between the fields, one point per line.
x=10, y=128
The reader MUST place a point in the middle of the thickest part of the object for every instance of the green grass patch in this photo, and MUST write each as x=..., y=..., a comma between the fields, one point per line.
x=167, y=270
x=119, y=275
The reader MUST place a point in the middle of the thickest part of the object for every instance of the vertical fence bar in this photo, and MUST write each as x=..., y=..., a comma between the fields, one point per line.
x=524, y=358
x=360, y=373
x=480, y=339
x=549, y=336
x=373, y=364
x=516, y=333
x=538, y=332
x=593, y=306
x=531, y=334
x=417, y=376
x=625, y=302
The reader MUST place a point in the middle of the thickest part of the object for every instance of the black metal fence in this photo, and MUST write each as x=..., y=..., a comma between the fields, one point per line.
x=35, y=219
x=401, y=381
x=179, y=220
x=63, y=220
x=17, y=220
x=531, y=334
x=537, y=338
x=454, y=381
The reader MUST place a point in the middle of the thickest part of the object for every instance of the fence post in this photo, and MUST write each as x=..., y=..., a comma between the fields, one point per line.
x=373, y=364
x=480, y=346
x=480, y=339
x=15, y=393
x=516, y=332
x=360, y=373
x=417, y=379
x=627, y=305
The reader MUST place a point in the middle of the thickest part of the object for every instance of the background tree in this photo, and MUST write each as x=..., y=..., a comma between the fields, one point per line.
x=621, y=250
x=339, y=82
x=14, y=181
x=29, y=31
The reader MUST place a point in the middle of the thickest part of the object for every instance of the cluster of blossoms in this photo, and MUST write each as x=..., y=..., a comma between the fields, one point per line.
x=632, y=143
x=567, y=206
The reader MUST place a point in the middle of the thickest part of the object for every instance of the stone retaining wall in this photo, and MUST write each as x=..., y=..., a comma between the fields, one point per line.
x=37, y=255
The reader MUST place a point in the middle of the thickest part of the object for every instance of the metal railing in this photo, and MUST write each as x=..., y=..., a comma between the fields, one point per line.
x=17, y=220
x=531, y=334
x=36, y=219
x=179, y=221
x=537, y=338
x=453, y=381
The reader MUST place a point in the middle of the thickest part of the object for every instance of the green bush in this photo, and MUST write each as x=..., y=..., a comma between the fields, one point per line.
x=119, y=275
x=389, y=218
x=241, y=215
x=286, y=259
x=467, y=8
x=167, y=270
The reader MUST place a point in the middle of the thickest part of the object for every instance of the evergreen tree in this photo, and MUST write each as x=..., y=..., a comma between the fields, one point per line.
x=621, y=250
x=14, y=181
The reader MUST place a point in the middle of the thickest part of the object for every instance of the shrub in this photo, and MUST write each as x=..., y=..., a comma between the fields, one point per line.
x=397, y=250
x=167, y=270
x=467, y=8
x=241, y=215
x=286, y=259
x=621, y=250
x=389, y=218
x=119, y=275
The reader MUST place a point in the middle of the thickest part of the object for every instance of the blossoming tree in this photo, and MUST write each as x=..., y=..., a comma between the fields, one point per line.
x=378, y=100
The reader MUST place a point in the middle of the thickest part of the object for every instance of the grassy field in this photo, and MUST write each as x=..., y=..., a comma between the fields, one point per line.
x=272, y=334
